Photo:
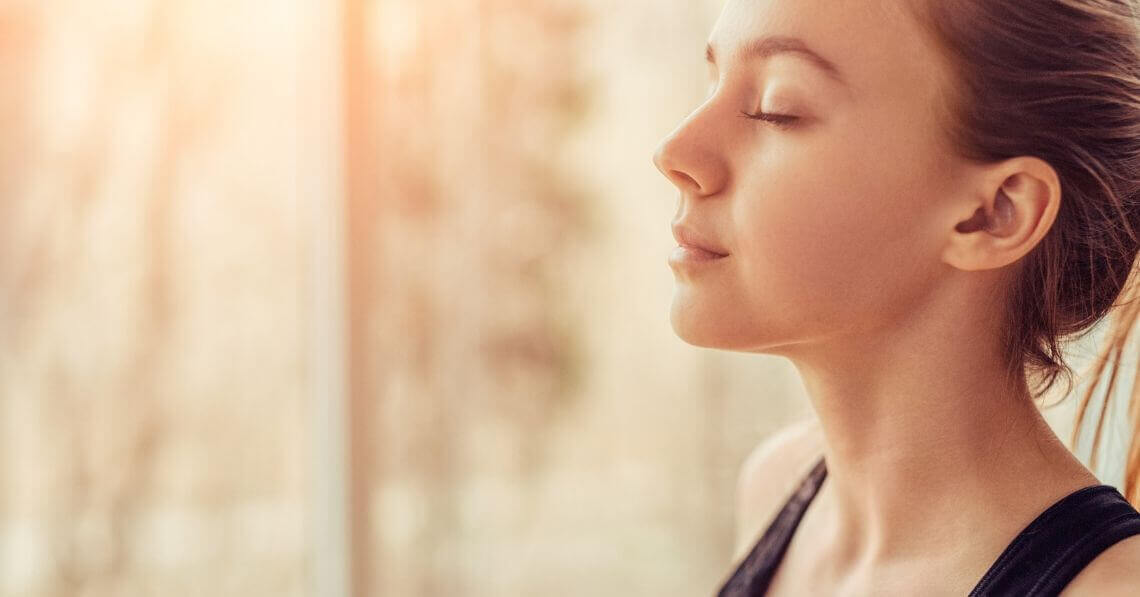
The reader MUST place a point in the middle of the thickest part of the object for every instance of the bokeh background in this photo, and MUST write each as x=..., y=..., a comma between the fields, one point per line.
x=364, y=297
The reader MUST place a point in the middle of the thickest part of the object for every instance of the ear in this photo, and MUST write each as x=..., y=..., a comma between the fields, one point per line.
x=1010, y=211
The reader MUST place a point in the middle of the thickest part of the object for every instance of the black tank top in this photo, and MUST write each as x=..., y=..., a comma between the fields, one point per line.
x=1040, y=561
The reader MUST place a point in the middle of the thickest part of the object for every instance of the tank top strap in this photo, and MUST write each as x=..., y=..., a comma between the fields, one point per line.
x=1060, y=542
x=752, y=577
x=1040, y=561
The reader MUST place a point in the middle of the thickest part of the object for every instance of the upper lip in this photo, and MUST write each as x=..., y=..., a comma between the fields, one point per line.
x=688, y=237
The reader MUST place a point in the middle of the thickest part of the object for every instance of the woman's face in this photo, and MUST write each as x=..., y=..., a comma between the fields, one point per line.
x=829, y=223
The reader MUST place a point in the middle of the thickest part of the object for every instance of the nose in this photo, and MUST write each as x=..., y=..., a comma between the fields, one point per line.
x=691, y=158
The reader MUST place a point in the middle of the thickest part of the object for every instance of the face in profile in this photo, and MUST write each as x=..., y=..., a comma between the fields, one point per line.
x=815, y=165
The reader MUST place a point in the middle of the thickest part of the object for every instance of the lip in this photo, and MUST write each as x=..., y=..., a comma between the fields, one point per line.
x=692, y=256
x=695, y=244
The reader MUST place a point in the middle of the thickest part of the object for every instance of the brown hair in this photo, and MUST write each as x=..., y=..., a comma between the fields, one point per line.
x=1059, y=80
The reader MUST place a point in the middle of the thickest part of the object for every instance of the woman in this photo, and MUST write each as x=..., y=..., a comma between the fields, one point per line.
x=916, y=202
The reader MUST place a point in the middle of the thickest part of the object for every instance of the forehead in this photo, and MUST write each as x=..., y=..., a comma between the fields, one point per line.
x=877, y=45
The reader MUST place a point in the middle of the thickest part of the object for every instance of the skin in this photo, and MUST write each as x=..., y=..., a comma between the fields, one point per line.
x=864, y=250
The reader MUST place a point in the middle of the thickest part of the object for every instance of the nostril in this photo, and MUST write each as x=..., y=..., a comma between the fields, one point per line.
x=684, y=180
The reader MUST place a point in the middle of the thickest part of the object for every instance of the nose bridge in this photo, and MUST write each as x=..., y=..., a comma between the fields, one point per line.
x=690, y=156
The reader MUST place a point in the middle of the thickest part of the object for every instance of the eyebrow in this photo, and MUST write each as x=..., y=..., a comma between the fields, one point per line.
x=781, y=44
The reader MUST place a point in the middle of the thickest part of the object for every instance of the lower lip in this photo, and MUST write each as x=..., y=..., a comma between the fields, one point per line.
x=693, y=255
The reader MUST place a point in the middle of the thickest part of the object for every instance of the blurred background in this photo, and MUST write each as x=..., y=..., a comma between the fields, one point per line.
x=366, y=297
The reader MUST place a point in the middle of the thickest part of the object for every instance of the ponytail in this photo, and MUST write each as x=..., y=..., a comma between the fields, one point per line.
x=1111, y=358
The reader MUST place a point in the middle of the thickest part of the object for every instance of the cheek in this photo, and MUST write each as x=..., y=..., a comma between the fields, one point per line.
x=831, y=233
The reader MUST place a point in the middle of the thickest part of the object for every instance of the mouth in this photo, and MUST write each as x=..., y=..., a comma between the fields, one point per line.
x=693, y=245
x=683, y=254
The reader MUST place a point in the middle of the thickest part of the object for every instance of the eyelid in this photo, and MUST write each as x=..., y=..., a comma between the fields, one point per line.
x=779, y=120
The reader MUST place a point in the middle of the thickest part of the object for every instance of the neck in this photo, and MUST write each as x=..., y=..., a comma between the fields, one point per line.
x=927, y=441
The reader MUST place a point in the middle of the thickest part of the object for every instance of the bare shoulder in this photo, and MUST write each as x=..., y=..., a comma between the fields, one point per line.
x=1113, y=573
x=769, y=475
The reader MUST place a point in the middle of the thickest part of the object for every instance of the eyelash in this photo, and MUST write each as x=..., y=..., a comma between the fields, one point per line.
x=779, y=120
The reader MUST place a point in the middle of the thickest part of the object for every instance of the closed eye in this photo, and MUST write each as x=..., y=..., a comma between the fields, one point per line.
x=780, y=120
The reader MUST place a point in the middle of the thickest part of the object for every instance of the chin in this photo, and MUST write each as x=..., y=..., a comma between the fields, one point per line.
x=715, y=328
x=704, y=328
